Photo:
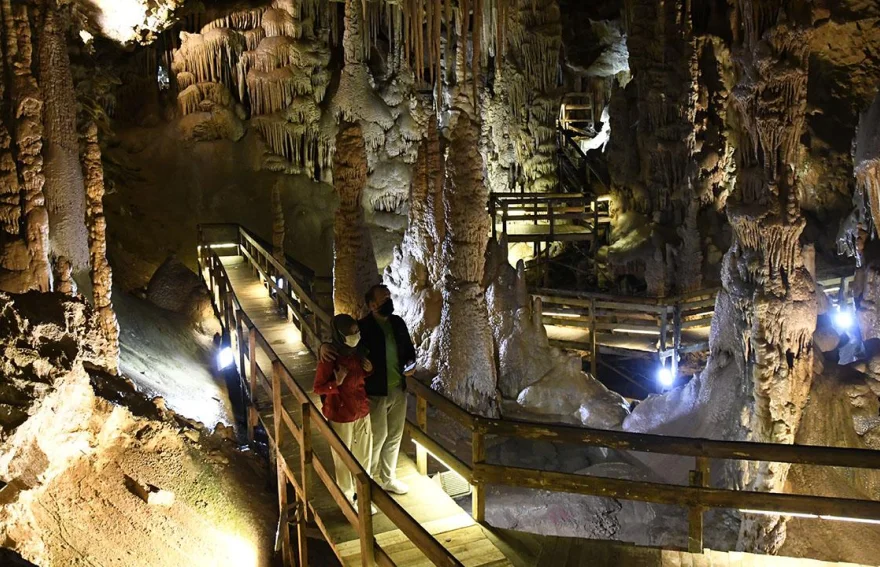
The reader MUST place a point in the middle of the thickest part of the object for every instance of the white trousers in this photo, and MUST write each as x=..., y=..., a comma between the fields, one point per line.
x=358, y=437
x=388, y=415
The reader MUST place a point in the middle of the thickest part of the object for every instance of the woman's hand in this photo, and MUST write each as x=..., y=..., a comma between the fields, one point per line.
x=367, y=365
x=340, y=374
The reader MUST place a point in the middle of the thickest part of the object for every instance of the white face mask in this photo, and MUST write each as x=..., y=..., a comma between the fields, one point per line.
x=353, y=340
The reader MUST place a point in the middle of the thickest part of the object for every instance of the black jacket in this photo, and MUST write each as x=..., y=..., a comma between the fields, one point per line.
x=373, y=340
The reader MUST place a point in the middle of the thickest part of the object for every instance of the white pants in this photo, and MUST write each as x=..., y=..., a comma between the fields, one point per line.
x=358, y=437
x=388, y=416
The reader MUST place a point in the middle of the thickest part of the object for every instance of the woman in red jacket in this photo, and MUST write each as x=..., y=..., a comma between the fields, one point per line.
x=344, y=400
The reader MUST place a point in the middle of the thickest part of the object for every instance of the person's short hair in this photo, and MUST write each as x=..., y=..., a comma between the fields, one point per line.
x=371, y=293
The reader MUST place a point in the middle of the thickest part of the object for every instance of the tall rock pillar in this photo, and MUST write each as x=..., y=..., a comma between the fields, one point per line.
x=467, y=371
x=766, y=271
x=102, y=276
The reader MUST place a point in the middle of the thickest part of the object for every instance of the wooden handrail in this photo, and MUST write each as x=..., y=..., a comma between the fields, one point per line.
x=696, y=496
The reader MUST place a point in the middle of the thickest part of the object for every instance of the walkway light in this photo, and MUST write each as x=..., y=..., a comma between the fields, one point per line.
x=225, y=358
x=843, y=319
x=665, y=377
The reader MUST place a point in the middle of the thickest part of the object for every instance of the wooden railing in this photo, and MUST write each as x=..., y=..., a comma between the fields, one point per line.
x=695, y=493
x=559, y=212
x=270, y=387
x=604, y=315
x=668, y=318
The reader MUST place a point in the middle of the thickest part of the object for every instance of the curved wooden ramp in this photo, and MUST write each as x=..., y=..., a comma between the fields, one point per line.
x=426, y=502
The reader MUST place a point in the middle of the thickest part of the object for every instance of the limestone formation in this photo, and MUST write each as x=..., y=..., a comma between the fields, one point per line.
x=101, y=274
x=531, y=42
x=272, y=61
x=24, y=243
x=277, y=224
x=466, y=372
x=63, y=276
x=414, y=276
x=65, y=193
x=766, y=272
x=354, y=264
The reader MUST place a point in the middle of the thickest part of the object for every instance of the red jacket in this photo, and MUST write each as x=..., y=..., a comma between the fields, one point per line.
x=346, y=403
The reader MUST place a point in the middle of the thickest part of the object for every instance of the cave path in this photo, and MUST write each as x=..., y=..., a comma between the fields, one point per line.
x=426, y=502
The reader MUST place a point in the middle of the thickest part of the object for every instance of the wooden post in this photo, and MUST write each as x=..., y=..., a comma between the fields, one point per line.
x=365, y=519
x=700, y=478
x=594, y=348
x=305, y=463
x=661, y=349
x=676, y=337
x=240, y=340
x=492, y=214
x=478, y=498
x=252, y=383
x=422, y=421
x=504, y=217
x=277, y=408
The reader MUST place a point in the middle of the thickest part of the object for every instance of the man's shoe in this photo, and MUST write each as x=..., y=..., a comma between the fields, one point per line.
x=395, y=486
x=354, y=502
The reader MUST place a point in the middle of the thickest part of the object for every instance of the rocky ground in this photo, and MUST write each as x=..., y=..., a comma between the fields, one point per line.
x=94, y=473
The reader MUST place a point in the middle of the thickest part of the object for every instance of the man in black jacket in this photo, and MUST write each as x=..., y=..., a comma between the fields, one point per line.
x=390, y=349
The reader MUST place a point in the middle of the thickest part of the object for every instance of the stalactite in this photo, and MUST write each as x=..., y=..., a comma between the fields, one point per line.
x=211, y=58
x=102, y=277
x=277, y=223
x=354, y=264
x=352, y=39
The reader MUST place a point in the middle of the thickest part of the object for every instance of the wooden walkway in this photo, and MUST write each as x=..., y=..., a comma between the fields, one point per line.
x=426, y=501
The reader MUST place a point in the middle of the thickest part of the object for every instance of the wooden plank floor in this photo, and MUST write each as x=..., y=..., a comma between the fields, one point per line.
x=426, y=501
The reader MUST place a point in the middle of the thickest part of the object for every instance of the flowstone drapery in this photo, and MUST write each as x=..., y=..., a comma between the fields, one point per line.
x=354, y=264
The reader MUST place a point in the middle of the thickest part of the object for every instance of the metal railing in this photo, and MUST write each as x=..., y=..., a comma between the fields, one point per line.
x=258, y=383
x=696, y=494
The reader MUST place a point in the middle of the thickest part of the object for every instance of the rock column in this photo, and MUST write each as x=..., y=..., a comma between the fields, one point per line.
x=102, y=276
x=766, y=272
x=467, y=371
x=354, y=263
x=65, y=194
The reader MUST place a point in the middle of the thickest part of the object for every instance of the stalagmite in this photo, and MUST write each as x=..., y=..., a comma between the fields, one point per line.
x=354, y=264
x=102, y=277
x=277, y=223
x=466, y=372
x=64, y=276
x=65, y=194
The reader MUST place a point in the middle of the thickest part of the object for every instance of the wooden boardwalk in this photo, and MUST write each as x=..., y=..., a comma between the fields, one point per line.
x=426, y=527
x=426, y=502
